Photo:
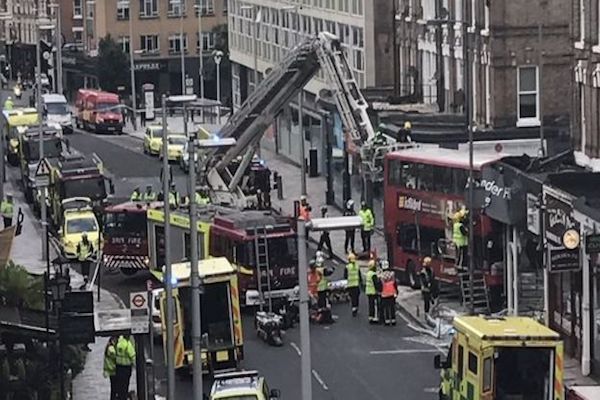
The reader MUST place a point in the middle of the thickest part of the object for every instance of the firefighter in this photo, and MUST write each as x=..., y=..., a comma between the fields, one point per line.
x=85, y=250
x=7, y=210
x=149, y=195
x=368, y=223
x=426, y=274
x=136, y=195
x=325, y=239
x=380, y=139
x=405, y=132
x=125, y=358
x=313, y=279
x=110, y=366
x=8, y=103
x=323, y=285
x=174, y=199
x=372, y=287
x=305, y=209
x=354, y=280
x=349, y=240
x=389, y=291
x=201, y=197
x=460, y=237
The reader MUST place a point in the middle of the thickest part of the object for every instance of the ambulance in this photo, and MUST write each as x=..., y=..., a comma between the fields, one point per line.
x=222, y=340
x=513, y=358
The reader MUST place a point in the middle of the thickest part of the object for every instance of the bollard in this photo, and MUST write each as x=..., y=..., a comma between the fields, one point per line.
x=279, y=187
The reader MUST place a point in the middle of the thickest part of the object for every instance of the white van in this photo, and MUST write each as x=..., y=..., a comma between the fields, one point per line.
x=57, y=111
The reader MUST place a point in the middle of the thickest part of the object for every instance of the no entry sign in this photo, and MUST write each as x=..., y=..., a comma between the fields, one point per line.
x=140, y=315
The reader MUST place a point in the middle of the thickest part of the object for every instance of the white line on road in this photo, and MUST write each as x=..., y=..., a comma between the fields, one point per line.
x=295, y=347
x=403, y=351
x=320, y=380
x=431, y=390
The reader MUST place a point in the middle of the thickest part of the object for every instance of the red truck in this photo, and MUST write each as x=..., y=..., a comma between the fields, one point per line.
x=99, y=111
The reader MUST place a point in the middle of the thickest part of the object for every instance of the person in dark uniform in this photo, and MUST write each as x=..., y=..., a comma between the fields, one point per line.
x=350, y=233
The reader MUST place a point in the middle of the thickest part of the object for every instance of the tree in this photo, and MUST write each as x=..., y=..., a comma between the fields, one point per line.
x=112, y=65
x=20, y=289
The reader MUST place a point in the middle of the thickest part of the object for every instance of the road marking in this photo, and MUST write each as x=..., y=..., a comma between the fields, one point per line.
x=431, y=390
x=295, y=347
x=403, y=351
x=320, y=380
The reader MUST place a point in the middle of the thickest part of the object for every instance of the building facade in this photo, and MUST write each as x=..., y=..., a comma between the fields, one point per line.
x=157, y=27
x=517, y=56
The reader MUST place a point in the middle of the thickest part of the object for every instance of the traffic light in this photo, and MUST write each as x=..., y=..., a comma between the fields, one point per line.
x=46, y=56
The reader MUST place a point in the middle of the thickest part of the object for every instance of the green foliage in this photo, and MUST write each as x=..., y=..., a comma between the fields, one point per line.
x=20, y=289
x=112, y=65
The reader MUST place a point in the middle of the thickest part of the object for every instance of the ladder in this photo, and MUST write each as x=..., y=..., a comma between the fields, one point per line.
x=531, y=292
x=263, y=269
x=481, y=304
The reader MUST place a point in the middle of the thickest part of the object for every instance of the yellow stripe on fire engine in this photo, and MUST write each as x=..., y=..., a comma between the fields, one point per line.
x=179, y=350
x=235, y=306
x=559, y=390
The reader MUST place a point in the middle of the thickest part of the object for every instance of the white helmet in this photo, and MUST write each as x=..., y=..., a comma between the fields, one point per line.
x=350, y=203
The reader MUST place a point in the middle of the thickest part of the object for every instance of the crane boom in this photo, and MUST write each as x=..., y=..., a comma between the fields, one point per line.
x=260, y=109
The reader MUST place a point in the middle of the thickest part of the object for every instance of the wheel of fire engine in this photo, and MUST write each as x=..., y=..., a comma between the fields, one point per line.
x=129, y=271
x=412, y=279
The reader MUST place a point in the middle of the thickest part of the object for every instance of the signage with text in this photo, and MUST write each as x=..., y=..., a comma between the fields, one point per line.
x=563, y=260
x=558, y=218
x=592, y=244
x=140, y=315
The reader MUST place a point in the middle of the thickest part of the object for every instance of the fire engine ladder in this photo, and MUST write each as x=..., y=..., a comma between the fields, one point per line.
x=263, y=268
x=480, y=297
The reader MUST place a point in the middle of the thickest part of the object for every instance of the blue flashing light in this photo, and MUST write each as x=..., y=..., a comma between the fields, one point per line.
x=262, y=162
x=216, y=138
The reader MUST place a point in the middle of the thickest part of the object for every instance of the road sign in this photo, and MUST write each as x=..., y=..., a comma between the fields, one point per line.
x=42, y=173
x=140, y=315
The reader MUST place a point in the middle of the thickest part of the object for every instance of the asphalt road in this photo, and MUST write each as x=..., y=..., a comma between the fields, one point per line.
x=350, y=359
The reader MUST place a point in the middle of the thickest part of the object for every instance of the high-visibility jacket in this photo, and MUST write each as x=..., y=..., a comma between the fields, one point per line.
x=323, y=282
x=368, y=221
x=8, y=105
x=459, y=239
x=149, y=196
x=84, y=251
x=125, y=352
x=201, y=200
x=174, y=199
x=135, y=196
x=110, y=360
x=313, y=282
x=6, y=209
x=388, y=289
x=353, y=272
x=369, y=285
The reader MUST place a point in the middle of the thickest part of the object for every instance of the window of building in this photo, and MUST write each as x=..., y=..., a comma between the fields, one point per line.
x=175, y=8
x=148, y=8
x=90, y=10
x=122, y=10
x=527, y=108
x=208, y=41
x=175, y=43
x=149, y=43
x=78, y=36
x=207, y=7
x=357, y=7
x=343, y=5
x=77, y=9
x=124, y=42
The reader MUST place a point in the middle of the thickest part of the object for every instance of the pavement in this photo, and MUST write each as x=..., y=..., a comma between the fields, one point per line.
x=27, y=251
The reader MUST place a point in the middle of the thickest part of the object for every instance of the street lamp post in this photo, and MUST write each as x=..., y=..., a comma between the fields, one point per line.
x=59, y=72
x=316, y=224
x=168, y=273
x=198, y=8
x=218, y=56
x=296, y=10
x=131, y=64
x=181, y=48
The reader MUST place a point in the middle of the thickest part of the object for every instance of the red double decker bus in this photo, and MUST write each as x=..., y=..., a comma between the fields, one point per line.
x=424, y=188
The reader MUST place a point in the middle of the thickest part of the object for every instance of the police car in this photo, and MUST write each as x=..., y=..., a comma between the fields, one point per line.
x=247, y=385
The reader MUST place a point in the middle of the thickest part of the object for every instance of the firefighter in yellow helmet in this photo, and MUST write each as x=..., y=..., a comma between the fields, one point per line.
x=460, y=237
x=352, y=275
